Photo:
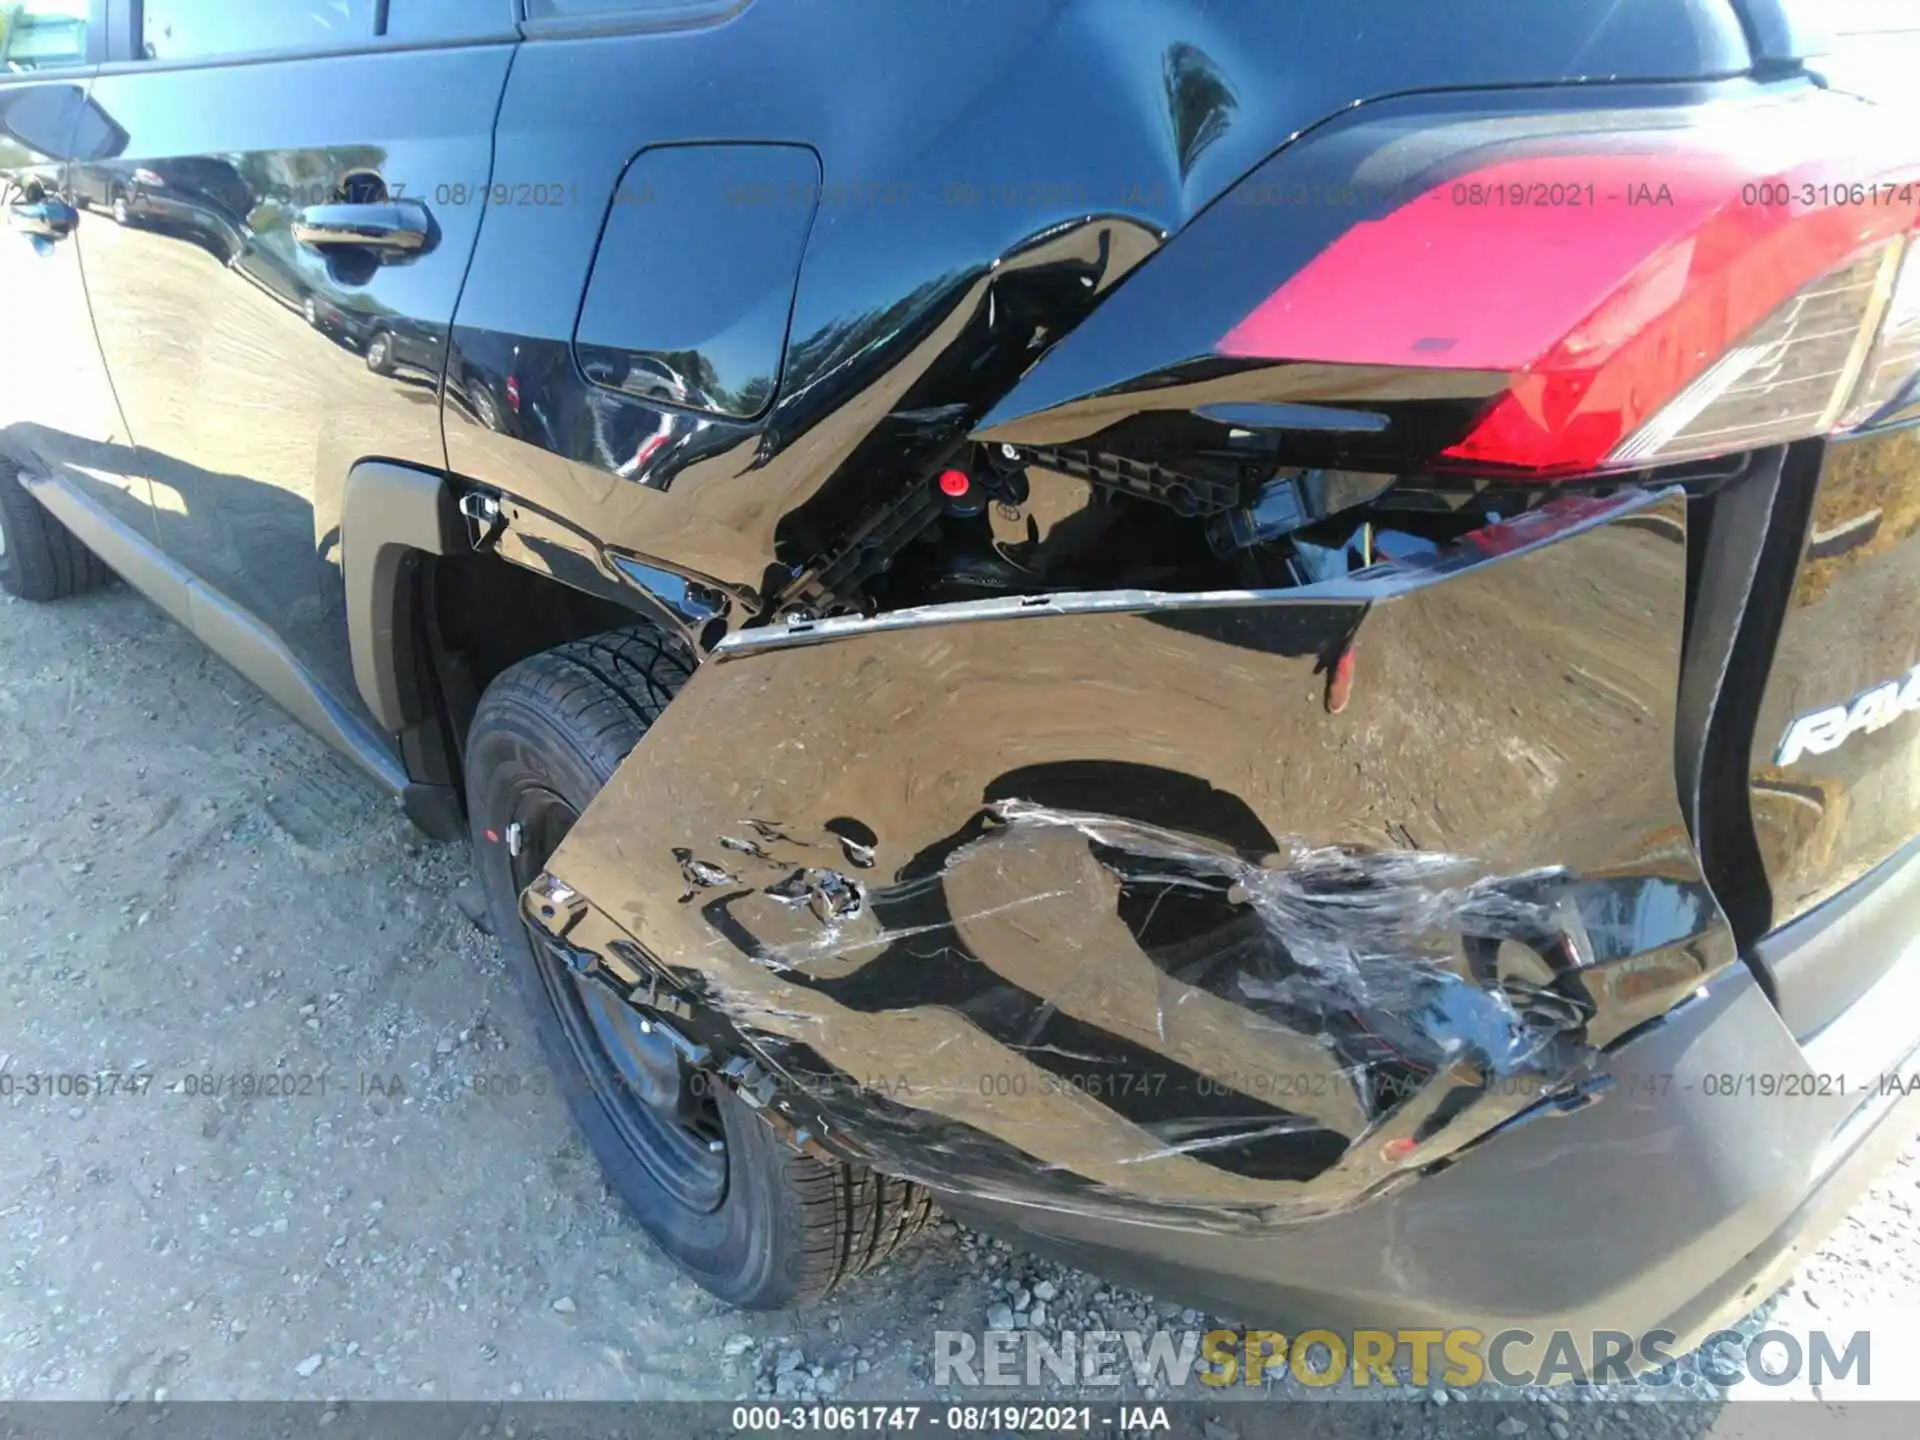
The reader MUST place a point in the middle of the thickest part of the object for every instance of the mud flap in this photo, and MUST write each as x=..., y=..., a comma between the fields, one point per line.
x=1093, y=902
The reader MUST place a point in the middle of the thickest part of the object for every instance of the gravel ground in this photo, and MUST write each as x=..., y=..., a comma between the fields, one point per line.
x=191, y=886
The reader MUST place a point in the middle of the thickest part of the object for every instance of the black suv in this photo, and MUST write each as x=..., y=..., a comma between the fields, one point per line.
x=1269, y=644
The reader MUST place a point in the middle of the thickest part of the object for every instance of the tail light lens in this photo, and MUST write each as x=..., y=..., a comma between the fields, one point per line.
x=1786, y=379
x=1631, y=287
x=1889, y=387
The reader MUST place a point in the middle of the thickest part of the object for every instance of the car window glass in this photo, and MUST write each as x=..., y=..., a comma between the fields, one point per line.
x=42, y=34
x=1854, y=17
x=1869, y=17
x=192, y=29
x=447, y=19
x=566, y=9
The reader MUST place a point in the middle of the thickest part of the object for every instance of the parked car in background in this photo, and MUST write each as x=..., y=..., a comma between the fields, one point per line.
x=1264, y=645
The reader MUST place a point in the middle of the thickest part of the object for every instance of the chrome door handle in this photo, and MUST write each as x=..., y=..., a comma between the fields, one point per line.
x=392, y=227
x=49, y=219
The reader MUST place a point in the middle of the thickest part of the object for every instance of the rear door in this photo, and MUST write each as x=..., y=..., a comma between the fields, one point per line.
x=257, y=357
x=57, y=417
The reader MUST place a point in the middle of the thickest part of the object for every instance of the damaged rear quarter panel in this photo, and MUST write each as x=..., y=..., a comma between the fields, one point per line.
x=1092, y=903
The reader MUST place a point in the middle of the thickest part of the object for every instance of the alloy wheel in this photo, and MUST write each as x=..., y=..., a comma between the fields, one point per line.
x=663, y=1108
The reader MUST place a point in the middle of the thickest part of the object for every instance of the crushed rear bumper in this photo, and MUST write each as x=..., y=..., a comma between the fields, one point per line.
x=1098, y=906
x=1096, y=915
x=1724, y=1154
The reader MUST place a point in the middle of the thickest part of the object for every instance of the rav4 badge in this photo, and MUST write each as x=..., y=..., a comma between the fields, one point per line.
x=1822, y=730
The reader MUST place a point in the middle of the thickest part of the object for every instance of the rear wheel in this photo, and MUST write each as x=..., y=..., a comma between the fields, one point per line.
x=380, y=354
x=754, y=1221
x=486, y=409
x=40, y=559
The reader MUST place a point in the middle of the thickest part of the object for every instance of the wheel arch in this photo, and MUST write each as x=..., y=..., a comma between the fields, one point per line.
x=393, y=520
x=431, y=620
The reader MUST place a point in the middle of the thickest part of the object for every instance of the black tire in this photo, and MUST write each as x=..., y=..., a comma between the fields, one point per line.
x=40, y=559
x=786, y=1227
x=379, y=353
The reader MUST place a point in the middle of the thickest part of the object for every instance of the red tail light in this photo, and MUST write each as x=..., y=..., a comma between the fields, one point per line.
x=1643, y=286
x=1890, y=381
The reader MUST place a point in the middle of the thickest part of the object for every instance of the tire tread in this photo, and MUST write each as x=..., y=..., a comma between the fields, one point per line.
x=605, y=692
x=47, y=560
x=854, y=1219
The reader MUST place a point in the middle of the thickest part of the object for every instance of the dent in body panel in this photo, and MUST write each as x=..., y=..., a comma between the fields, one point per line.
x=894, y=292
x=746, y=505
x=988, y=172
x=1100, y=909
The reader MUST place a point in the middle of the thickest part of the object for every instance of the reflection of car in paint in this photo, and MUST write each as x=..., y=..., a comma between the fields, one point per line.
x=389, y=343
x=176, y=197
x=1215, y=707
x=110, y=194
x=395, y=345
x=498, y=383
x=270, y=262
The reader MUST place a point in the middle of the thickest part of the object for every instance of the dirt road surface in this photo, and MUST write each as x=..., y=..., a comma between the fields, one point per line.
x=192, y=889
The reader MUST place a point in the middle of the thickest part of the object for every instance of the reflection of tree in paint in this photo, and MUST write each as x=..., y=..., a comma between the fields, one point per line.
x=1199, y=101
x=280, y=183
x=55, y=36
x=875, y=334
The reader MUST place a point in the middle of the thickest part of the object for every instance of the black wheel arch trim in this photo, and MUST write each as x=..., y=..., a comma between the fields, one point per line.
x=390, y=516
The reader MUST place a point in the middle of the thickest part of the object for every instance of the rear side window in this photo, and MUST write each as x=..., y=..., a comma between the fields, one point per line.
x=1842, y=18
x=195, y=29
x=43, y=34
x=448, y=19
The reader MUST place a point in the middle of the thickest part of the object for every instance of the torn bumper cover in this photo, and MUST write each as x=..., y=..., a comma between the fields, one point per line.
x=1090, y=902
